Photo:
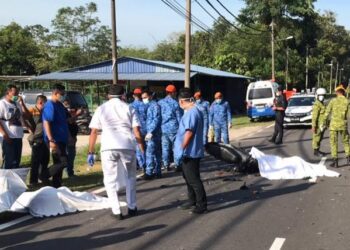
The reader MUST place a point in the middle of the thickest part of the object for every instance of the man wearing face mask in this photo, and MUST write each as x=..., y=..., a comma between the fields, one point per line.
x=141, y=112
x=56, y=132
x=171, y=115
x=152, y=138
x=190, y=149
x=279, y=106
x=204, y=107
x=13, y=112
x=220, y=118
x=318, y=111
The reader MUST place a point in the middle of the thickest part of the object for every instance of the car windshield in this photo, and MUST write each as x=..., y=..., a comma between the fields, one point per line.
x=260, y=93
x=76, y=99
x=301, y=101
x=30, y=99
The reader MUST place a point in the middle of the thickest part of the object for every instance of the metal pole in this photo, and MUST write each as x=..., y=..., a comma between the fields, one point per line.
x=307, y=68
x=287, y=62
x=330, y=81
x=114, y=44
x=272, y=51
x=336, y=76
x=318, y=79
x=188, y=45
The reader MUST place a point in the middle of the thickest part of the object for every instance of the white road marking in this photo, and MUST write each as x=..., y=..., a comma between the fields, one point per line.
x=277, y=244
x=15, y=222
x=271, y=125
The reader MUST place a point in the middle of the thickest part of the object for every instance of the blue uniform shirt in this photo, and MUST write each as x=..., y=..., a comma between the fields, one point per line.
x=55, y=113
x=191, y=120
x=171, y=114
x=204, y=107
x=141, y=112
x=153, y=118
x=220, y=113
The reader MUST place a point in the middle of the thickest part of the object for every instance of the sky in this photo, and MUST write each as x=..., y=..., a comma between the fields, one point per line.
x=140, y=23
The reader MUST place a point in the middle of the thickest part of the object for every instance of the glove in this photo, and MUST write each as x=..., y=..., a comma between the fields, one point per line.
x=91, y=160
x=148, y=136
x=230, y=125
x=322, y=128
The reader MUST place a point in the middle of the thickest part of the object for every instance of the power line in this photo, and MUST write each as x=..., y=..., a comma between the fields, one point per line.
x=206, y=11
x=234, y=26
x=183, y=14
x=192, y=16
x=238, y=19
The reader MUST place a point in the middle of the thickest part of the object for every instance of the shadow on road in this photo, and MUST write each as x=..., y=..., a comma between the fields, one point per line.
x=94, y=240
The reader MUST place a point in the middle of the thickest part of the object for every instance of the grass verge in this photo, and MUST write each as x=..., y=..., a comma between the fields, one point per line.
x=240, y=121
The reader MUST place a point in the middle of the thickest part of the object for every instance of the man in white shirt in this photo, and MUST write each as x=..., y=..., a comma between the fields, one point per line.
x=12, y=113
x=120, y=126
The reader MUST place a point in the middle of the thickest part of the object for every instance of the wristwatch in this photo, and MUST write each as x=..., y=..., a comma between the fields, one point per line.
x=52, y=140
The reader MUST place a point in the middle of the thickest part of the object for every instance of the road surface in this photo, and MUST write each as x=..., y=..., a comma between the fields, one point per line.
x=285, y=215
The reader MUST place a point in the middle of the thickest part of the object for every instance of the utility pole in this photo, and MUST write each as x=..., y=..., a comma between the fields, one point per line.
x=272, y=51
x=188, y=45
x=307, y=68
x=336, y=76
x=287, y=62
x=330, y=80
x=114, y=44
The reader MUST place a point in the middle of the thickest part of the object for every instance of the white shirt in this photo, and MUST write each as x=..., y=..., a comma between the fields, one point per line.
x=117, y=120
x=11, y=118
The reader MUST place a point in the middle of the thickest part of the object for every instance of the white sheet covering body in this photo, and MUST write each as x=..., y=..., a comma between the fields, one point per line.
x=277, y=168
x=12, y=185
x=49, y=201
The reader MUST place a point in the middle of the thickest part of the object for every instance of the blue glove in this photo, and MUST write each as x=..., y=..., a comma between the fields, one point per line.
x=91, y=159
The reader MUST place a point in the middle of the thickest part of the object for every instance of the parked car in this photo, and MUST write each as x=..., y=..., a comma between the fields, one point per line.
x=76, y=101
x=299, y=110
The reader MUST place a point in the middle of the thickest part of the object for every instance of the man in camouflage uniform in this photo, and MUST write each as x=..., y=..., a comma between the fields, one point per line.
x=220, y=118
x=171, y=116
x=338, y=110
x=141, y=112
x=152, y=138
x=318, y=111
x=204, y=107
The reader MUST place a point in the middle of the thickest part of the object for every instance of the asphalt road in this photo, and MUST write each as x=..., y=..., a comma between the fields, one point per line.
x=302, y=214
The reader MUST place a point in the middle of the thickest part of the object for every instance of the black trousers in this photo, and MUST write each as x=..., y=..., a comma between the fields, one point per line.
x=195, y=188
x=39, y=161
x=278, y=133
x=59, y=159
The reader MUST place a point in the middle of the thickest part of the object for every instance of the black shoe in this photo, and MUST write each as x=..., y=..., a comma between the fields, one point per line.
x=168, y=168
x=187, y=205
x=199, y=210
x=318, y=153
x=278, y=142
x=178, y=169
x=132, y=212
x=158, y=176
x=334, y=164
x=348, y=160
x=118, y=216
x=147, y=177
x=271, y=140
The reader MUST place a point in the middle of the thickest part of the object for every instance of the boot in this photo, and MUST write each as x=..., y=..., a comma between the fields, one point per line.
x=318, y=153
x=348, y=160
x=334, y=164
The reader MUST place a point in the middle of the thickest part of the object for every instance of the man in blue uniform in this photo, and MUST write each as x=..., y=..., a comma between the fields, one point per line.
x=189, y=147
x=204, y=107
x=152, y=138
x=220, y=118
x=141, y=112
x=171, y=115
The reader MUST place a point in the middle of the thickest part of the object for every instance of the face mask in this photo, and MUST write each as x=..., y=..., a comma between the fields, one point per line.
x=198, y=101
x=61, y=99
x=145, y=101
x=14, y=98
x=278, y=94
x=321, y=98
x=218, y=101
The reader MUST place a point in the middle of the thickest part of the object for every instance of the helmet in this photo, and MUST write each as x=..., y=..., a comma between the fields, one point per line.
x=321, y=91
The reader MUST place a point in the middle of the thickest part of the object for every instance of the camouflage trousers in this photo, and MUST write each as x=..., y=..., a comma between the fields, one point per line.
x=333, y=138
x=316, y=139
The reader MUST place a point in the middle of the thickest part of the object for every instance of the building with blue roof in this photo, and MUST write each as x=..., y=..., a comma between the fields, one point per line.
x=137, y=72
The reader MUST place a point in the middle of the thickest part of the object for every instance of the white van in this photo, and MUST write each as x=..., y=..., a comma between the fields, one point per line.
x=259, y=99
